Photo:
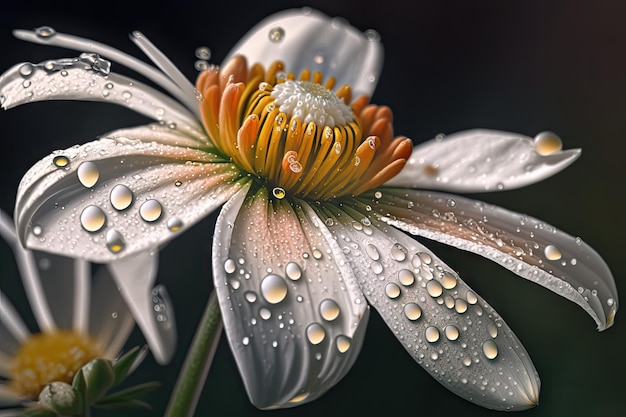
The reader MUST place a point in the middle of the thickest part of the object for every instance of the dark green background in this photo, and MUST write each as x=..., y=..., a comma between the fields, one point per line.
x=522, y=66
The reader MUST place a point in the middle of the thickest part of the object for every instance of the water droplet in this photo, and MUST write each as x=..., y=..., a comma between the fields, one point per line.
x=434, y=288
x=45, y=32
x=26, y=70
x=279, y=193
x=235, y=283
x=392, y=290
x=315, y=333
x=493, y=331
x=265, y=313
x=425, y=258
x=471, y=297
x=150, y=210
x=431, y=334
x=293, y=271
x=276, y=34
x=317, y=254
x=372, y=252
x=552, y=253
x=174, y=224
x=37, y=230
x=490, y=349
x=377, y=268
x=398, y=252
x=92, y=218
x=372, y=35
x=406, y=277
x=127, y=95
x=547, y=143
x=467, y=361
x=273, y=289
x=460, y=306
x=329, y=309
x=114, y=241
x=61, y=161
x=88, y=174
x=229, y=266
x=448, y=280
x=203, y=52
x=412, y=311
x=245, y=340
x=250, y=296
x=343, y=343
x=26, y=84
x=451, y=332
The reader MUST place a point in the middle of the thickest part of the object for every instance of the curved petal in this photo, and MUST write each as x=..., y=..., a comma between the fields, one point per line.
x=110, y=320
x=112, y=198
x=150, y=306
x=450, y=331
x=526, y=246
x=305, y=38
x=480, y=160
x=294, y=316
x=13, y=330
x=81, y=79
x=8, y=397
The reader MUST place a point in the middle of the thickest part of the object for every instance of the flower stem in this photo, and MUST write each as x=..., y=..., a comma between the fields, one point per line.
x=197, y=363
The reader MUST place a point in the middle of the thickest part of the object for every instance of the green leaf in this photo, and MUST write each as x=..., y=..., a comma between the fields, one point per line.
x=122, y=365
x=129, y=393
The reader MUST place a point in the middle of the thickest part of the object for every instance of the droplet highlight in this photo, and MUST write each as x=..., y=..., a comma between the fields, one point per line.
x=431, y=334
x=547, y=143
x=412, y=311
x=92, y=218
x=121, y=197
x=151, y=210
x=490, y=349
x=273, y=289
x=329, y=309
x=293, y=271
x=315, y=333
x=552, y=253
x=115, y=241
x=392, y=290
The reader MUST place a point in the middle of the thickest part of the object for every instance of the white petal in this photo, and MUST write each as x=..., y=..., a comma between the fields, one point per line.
x=8, y=397
x=76, y=79
x=480, y=160
x=305, y=38
x=293, y=313
x=110, y=320
x=151, y=307
x=13, y=330
x=138, y=194
x=528, y=247
x=449, y=330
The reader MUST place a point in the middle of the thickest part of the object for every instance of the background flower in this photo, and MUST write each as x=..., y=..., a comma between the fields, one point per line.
x=524, y=67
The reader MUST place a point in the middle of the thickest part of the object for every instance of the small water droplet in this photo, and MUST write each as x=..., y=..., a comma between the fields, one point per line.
x=372, y=35
x=45, y=32
x=229, y=266
x=127, y=95
x=547, y=143
x=203, y=52
x=61, y=161
x=293, y=271
x=493, y=331
x=490, y=349
x=315, y=333
x=471, y=297
x=460, y=306
x=434, y=288
x=92, y=218
x=250, y=296
x=467, y=361
x=398, y=252
x=377, y=268
x=392, y=290
x=425, y=258
x=150, y=210
x=448, y=280
x=329, y=309
x=174, y=224
x=431, y=334
x=114, y=241
x=552, y=253
x=343, y=343
x=26, y=70
x=412, y=311
x=279, y=193
x=245, y=341
x=451, y=332
x=37, y=230
x=88, y=174
x=276, y=34
x=372, y=252
x=406, y=277
x=317, y=254
x=273, y=288
x=265, y=313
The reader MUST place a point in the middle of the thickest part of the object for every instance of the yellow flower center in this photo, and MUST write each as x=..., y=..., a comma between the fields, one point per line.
x=299, y=137
x=49, y=357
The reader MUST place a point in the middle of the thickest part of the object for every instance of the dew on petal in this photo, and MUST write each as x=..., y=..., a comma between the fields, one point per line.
x=174, y=224
x=92, y=218
x=552, y=253
x=425, y=258
x=448, y=281
x=114, y=241
x=471, y=297
x=150, y=210
x=45, y=32
x=61, y=161
x=121, y=197
x=230, y=266
x=398, y=252
x=493, y=331
x=329, y=309
x=343, y=343
x=203, y=52
x=293, y=271
x=392, y=290
x=315, y=333
x=434, y=288
x=250, y=296
x=547, y=143
x=460, y=306
x=406, y=277
x=37, y=230
x=412, y=311
x=451, y=332
x=265, y=313
x=273, y=288
x=279, y=193
x=372, y=252
x=276, y=34
x=490, y=349
x=431, y=334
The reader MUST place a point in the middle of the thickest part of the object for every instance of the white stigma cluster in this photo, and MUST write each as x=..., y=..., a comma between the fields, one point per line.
x=311, y=102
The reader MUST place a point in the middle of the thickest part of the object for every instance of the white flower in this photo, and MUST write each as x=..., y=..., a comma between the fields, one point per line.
x=317, y=196
x=79, y=318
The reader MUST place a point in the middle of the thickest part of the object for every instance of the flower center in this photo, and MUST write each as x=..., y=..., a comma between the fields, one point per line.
x=49, y=357
x=299, y=137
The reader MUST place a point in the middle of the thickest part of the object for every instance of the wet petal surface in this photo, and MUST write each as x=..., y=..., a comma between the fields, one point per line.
x=294, y=315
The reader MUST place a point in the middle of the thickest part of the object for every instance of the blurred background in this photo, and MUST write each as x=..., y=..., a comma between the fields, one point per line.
x=520, y=66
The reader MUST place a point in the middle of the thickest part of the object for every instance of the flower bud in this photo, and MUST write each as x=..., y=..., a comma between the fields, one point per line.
x=60, y=397
x=99, y=378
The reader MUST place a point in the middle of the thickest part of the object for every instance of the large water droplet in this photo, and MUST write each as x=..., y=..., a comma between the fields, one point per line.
x=114, y=241
x=229, y=266
x=273, y=289
x=451, y=332
x=425, y=258
x=412, y=311
x=174, y=224
x=265, y=313
x=431, y=334
x=150, y=210
x=434, y=288
x=372, y=252
x=406, y=277
x=92, y=218
x=121, y=197
x=45, y=32
x=460, y=306
x=471, y=297
x=329, y=309
x=547, y=143
x=315, y=333
x=493, y=330
x=398, y=252
x=88, y=174
x=552, y=253
x=343, y=343
x=293, y=271
x=448, y=280
x=61, y=161
x=490, y=349
x=392, y=290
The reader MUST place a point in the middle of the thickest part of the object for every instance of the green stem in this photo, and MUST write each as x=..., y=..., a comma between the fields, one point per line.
x=197, y=363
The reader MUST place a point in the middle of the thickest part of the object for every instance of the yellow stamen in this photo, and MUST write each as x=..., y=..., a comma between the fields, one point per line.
x=49, y=357
x=296, y=134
